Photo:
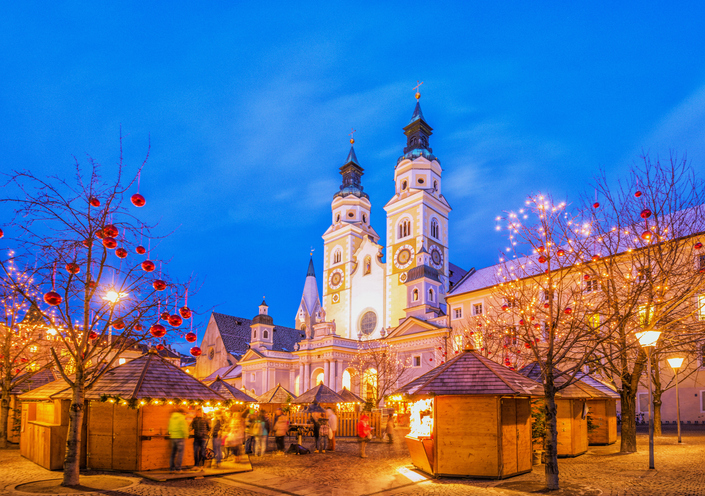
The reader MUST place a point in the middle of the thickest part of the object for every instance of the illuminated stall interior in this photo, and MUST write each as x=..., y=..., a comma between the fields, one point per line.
x=351, y=401
x=471, y=417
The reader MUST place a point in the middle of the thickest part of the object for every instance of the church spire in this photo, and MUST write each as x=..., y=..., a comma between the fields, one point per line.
x=311, y=272
x=352, y=173
x=417, y=133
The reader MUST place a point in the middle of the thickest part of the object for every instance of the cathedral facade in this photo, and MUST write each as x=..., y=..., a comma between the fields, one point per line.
x=393, y=292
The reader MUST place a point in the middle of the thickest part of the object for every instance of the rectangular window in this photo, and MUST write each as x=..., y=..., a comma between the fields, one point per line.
x=701, y=263
x=642, y=402
x=510, y=302
x=702, y=401
x=594, y=321
x=458, y=313
x=646, y=314
x=701, y=307
x=416, y=361
x=701, y=358
x=477, y=309
x=592, y=285
x=458, y=343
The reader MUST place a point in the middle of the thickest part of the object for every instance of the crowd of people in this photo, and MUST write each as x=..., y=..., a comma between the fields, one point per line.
x=234, y=435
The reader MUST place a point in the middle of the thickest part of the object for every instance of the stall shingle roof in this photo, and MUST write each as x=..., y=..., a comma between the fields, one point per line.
x=149, y=376
x=471, y=373
x=236, y=333
x=598, y=384
x=229, y=391
x=349, y=397
x=278, y=394
x=319, y=394
x=22, y=384
x=578, y=389
x=47, y=391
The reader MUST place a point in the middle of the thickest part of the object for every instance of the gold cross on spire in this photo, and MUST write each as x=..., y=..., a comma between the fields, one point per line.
x=352, y=139
x=312, y=250
x=416, y=88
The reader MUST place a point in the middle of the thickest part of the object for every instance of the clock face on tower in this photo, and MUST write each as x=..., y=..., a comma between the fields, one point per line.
x=335, y=279
x=404, y=256
x=436, y=257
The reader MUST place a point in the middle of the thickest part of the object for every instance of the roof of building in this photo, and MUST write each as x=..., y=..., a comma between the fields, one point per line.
x=319, y=394
x=45, y=392
x=236, y=333
x=226, y=373
x=421, y=271
x=229, y=391
x=278, y=394
x=349, y=397
x=471, y=373
x=598, y=384
x=310, y=296
x=32, y=380
x=149, y=376
x=578, y=389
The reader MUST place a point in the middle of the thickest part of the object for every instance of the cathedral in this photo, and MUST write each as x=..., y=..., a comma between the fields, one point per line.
x=400, y=300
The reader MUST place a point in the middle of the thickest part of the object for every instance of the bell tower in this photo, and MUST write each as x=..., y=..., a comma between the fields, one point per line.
x=417, y=217
x=350, y=226
x=262, y=328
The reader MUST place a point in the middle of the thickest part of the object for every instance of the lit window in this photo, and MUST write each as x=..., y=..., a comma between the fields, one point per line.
x=458, y=313
x=458, y=343
x=594, y=321
x=477, y=309
x=592, y=285
x=646, y=315
x=319, y=378
x=701, y=307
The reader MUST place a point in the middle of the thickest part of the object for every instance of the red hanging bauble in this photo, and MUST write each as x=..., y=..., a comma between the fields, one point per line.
x=698, y=245
x=119, y=324
x=540, y=249
x=542, y=259
x=121, y=252
x=185, y=312
x=2, y=233
x=95, y=202
x=645, y=214
x=52, y=298
x=596, y=205
x=141, y=250
x=537, y=326
x=505, y=307
x=109, y=243
x=595, y=258
x=165, y=315
x=157, y=330
x=160, y=347
x=148, y=266
x=92, y=335
x=546, y=305
x=191, y=337
x=527, y=345
x=110, y=231
x=430, y=359
x=175, y=320
x=138, y=327
x=159, y=285
x=99, y=234
x=560, y=253
x=638, y=194
x=568, y=311
x=92, y=285
x=138, y=200
x=521, y=322
x=646, y=235
x=196, y=351
x=73, y=268
x=87, y=242
x=586, y=277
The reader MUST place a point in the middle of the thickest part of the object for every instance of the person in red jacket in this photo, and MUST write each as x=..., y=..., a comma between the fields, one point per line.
x=364, y=432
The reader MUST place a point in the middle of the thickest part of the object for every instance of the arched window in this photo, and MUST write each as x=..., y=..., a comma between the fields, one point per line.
x=403, y=185
x=347, y=380
x=415, y=295
x=404, y=228
x=319, y=378
x=337, y=256
x=337, y=218
x=254, y=334
x=434, y=228
x=364, y=219
x=430, y=295
x=265, y=334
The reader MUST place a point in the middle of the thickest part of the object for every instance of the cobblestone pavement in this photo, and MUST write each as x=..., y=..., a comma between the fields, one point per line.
x=680, y=471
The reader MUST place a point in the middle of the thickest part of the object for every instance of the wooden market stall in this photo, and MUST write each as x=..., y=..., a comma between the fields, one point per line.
x=277, y=397
x=45, y=424
x=572, y=410
x=23, y=384
x=603, y=412
x=228, y=391
x=320, y=394
x=129, y=409
x=471, y=417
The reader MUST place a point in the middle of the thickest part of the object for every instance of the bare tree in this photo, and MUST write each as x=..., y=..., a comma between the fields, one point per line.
x=93, y=270
x=643, y=235
x=380, y=368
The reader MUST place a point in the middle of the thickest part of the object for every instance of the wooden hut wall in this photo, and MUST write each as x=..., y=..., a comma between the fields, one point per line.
x=112, y=436
x=154, y=444
x=43, y=431
x=572, y=427
x=482, y=436
x=604, y=417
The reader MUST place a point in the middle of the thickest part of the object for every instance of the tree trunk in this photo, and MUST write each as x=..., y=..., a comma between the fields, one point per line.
x=657, y=393
x=657, y=415
x=4, y=415
x=551, y=442
x=628, y=401
x=72, y=459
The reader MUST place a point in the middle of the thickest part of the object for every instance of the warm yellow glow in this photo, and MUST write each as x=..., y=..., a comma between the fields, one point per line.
x=675, y=362
x=121, y=361
x=421, y=426
x=347, y=380
x=113, y=296
x=648, y=338
x=319, y=378
x=51, y=331
x=411, y=475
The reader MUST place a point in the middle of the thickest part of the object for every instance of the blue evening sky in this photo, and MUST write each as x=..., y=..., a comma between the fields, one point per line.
x=249, y=106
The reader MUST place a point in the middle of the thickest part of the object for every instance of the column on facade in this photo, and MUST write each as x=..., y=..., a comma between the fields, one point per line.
x=326, y=372
x=339, y=375
x=265, y=379
x=301, y=379
x=307, y=377
x=292, y=379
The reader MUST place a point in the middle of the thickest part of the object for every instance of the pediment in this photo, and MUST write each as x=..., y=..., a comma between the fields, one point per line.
x=411, y=326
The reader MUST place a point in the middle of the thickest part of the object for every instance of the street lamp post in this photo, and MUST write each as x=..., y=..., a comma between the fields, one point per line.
x=647, y=340
x=675, y=364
